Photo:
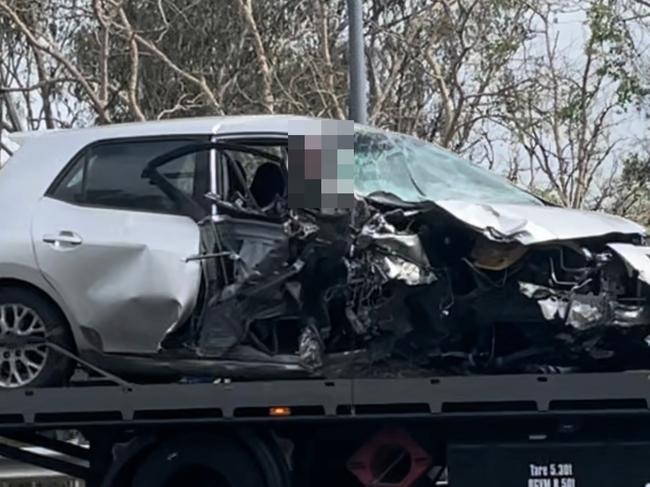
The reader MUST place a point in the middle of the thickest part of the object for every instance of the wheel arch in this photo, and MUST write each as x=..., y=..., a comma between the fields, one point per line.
x=16, y=283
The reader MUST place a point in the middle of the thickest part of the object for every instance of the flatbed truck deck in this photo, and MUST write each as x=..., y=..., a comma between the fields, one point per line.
x=398, y=431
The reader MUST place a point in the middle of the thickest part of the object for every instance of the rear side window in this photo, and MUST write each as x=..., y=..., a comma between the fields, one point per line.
x=110, y=175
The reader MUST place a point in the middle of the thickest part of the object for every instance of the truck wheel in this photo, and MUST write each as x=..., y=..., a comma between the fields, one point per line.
x=199, y=460
x=26, y=321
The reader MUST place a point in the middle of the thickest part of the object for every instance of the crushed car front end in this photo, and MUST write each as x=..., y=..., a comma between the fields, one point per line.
x=439, y=268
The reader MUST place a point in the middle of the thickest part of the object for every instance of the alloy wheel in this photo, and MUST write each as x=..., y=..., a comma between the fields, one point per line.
x=23, y=353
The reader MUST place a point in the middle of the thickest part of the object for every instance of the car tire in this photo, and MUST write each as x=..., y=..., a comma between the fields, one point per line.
x=199, y=460
x=26, y=313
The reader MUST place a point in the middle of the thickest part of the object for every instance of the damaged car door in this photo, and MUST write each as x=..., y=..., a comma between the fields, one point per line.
x=245, y=310
x=115, y=246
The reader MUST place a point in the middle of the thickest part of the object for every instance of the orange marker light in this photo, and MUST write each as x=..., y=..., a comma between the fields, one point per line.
x=280, y=411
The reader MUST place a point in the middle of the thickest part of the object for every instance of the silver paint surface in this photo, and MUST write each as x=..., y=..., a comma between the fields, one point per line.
x=636, y=257
x=530, y=224
x=130, y=279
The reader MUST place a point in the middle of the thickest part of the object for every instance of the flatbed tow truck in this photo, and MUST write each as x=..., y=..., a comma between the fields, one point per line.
x=564, y=430
x=539, y=430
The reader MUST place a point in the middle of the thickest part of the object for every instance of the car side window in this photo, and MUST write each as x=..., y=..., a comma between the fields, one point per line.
x=111, y=175
x=265, y=178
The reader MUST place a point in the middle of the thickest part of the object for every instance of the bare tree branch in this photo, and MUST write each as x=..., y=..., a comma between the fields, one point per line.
x=40, y=42
x=246, y=8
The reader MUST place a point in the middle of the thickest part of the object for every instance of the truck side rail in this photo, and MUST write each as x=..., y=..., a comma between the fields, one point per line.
x=323, y=399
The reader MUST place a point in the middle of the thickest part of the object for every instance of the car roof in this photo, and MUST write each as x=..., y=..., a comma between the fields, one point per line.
x=43, y=154
x=180, y=126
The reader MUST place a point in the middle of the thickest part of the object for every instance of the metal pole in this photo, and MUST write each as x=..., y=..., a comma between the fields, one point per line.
x=357, y=63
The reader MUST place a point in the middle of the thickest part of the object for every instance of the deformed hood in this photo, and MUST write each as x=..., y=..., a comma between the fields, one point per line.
x=636, y=258
x=531, y=224
x=396, y=168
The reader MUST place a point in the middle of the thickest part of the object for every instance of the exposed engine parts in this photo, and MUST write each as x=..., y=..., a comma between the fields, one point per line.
x=458, y=285
x=389, y=291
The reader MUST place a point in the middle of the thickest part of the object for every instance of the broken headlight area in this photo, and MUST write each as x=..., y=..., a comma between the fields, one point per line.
x=385, y=291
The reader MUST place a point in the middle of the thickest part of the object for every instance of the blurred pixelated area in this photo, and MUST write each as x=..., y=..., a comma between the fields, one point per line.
x=321, y=163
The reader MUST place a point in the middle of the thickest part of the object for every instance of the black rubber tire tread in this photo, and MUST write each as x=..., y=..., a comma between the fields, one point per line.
x=126, y=458
x=223, y=455
x=58, y=368
x=269, y=457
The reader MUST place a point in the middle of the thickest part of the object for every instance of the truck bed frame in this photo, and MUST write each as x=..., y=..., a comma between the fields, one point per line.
x=322, y=400
x=103, y=411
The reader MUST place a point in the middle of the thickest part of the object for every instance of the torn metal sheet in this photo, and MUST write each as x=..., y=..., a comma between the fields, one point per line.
x=531, y=224
x=405, y=258
x=403, y=270
x=261, y=295
x=584, y=311
x=375, y=288
x=636, y=257
x=587, y=310
x=311, y=348
x=551, y=305
x=629, y=315
x=389, y=240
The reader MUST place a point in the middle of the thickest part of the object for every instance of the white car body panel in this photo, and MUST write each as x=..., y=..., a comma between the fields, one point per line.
x=637, y=258
x=128, y=278
x=530, y=224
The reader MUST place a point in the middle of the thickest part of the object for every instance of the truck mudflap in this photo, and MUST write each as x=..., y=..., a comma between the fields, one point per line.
x=541, y=464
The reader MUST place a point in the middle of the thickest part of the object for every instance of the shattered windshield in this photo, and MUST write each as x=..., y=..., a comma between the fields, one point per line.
x=417, y=171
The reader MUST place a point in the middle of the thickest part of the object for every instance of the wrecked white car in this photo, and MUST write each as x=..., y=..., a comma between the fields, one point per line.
x=167, y=250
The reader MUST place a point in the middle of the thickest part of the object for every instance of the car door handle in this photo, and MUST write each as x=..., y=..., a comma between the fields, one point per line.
x=64, y=238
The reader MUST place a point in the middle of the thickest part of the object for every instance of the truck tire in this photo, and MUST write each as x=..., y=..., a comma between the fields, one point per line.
x=199, y=460
x=25, y=314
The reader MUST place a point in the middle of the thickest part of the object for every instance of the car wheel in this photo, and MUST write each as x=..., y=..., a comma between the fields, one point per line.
x=27, y=321
x=199, y=460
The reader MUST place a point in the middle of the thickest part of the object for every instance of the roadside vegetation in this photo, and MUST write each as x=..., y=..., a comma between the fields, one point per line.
x=551, y=93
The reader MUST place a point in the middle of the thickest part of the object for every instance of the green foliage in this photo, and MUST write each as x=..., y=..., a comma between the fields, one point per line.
x=612, y=43
x=571, y=111
x=490, y=78
x=632, y=196
x=636, y=171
